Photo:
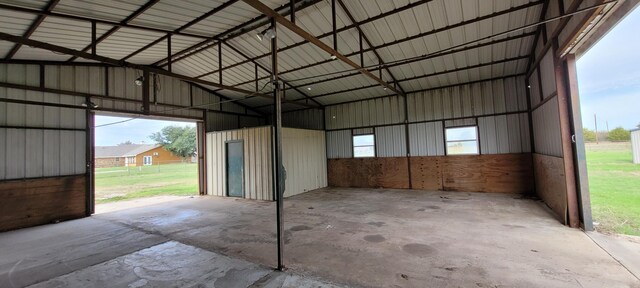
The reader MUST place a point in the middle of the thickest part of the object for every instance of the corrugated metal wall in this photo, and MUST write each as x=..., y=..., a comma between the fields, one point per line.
x=303, y=157
x=42, y=141
x=546, y=127
x=498, y=107
x=305, y=160
x=374, y=112
x=304, y=119
x=339, y=144
x=426, y=139
x=257, y=162
x=391, y=141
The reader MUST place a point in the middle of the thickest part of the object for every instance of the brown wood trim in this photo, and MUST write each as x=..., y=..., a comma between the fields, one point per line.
x=567, y=147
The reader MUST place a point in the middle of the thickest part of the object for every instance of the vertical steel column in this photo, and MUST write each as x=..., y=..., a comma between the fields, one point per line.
x=94, y=42
x=89, y=155
x=169, y=52
x=278, y=175
x=145, y=92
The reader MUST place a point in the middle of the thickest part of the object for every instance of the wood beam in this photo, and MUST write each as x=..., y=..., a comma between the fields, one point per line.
x=32, y=28
x=304, y=34
x=383, y=15
x=416, y=59
x=366, y=39
x=268, y=71
x=234, y=32
x=420, y=76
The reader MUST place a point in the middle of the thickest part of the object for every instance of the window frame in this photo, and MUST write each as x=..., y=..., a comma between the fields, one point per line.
x=144, y=160
x=446, y=141
x=353, y=145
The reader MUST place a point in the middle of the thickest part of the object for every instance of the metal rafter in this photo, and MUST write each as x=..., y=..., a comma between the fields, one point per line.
x=269, y=71
x=418, y=77
x=181, y=28
x=366, y=39
x=543, y=13
x=115, y=29
x=120, y=63
x=345, y=28
x=368, y=20
x=233, y=33
x=100, y=21
x=422, y=58
x=304, y=34
x=36, y=23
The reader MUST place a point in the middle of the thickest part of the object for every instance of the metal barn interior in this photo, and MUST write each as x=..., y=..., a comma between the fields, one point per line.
x=289, y=87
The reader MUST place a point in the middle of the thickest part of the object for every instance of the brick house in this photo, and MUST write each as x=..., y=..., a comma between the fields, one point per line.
x=134, y=155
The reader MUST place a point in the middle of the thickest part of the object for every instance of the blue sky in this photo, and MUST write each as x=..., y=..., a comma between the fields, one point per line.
x=136, y=130
x=609, y=77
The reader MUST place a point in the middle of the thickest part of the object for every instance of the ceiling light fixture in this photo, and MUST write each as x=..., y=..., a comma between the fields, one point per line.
x=309, y=88
x=89, y=104
x=334, y=57
x=266, y=33
x=139, y=81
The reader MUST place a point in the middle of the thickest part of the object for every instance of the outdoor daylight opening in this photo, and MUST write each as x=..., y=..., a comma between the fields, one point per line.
x=140, y=161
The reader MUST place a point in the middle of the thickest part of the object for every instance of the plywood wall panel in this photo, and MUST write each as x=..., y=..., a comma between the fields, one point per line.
x=33, y=202
x=426, y=173
x=389, y=172
x=506, y=173
x=551, y=184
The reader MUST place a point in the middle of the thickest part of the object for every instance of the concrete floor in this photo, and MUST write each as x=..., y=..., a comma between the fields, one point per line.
x=354, y=237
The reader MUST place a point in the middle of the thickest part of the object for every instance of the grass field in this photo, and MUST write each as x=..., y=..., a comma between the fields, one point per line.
x=614, y=183
x=123, y=183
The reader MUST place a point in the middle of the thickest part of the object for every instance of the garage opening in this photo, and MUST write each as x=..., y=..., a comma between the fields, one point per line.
x=609, y=83
x=143, y=161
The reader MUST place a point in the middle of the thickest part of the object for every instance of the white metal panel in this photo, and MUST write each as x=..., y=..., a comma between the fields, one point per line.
x=635, y=146
x=382, y=111
x=257, y=162
x=546, y=129
x=534, y=87
x=426, y=139
x=15, y=153
x=304, y=159
x=35, y=153
x=547, y=74
x=391, y=141
x=339, y=144
x=305, y=119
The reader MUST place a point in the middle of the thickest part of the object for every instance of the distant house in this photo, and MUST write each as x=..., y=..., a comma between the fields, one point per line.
x=134, y=155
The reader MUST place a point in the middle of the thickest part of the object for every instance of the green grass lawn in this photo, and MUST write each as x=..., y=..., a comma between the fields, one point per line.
x=614, y=183
x=123, y=183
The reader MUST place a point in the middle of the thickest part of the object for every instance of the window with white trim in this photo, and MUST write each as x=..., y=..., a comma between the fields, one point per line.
x=147, y=160
x=462, y=140
x=364, y=146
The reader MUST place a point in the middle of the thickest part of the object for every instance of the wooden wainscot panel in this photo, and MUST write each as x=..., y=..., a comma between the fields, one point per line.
x=32, y=202
x=502, y=173
x=391, y=172
x=426, y=173
x=551, y=184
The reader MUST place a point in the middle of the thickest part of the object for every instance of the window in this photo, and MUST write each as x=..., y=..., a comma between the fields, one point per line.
x=117, y=159
x=462, y=140
x=364, y=146
x=147, y=160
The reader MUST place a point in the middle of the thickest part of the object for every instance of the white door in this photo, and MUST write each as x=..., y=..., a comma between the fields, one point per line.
x=147, y=160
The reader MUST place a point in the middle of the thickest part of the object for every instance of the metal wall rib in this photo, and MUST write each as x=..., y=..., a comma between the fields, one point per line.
x=497, y=106
x=303, y=157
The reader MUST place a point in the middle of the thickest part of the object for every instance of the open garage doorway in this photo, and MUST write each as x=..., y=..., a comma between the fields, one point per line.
x=609, y=85
x=143, y=161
